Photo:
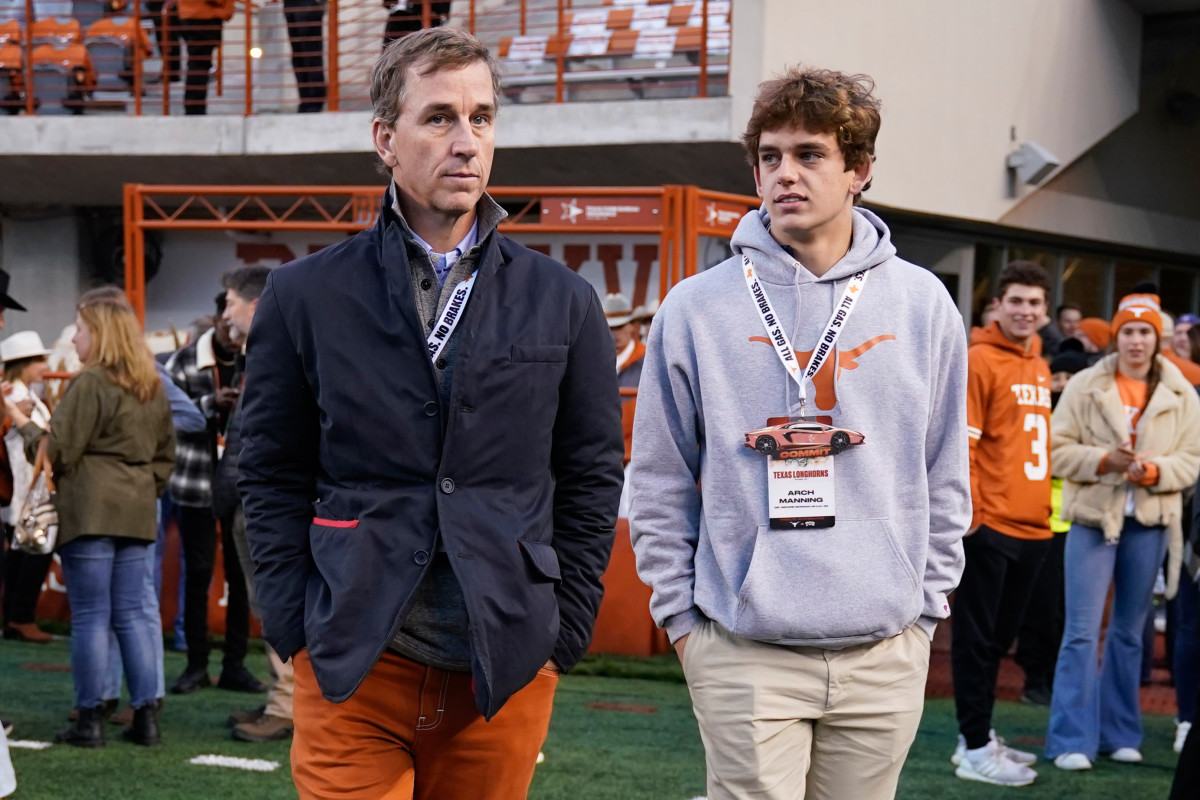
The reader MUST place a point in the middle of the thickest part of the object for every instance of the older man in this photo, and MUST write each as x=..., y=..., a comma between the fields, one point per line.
x=431, y=463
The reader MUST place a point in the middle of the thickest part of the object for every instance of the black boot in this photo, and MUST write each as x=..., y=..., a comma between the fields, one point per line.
x=144, y=729
x=88, y=730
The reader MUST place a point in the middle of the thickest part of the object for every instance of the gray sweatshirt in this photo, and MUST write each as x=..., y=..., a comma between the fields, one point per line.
x=698, y=516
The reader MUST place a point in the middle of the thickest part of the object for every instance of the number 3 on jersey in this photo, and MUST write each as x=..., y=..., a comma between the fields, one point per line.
x=1036, y=470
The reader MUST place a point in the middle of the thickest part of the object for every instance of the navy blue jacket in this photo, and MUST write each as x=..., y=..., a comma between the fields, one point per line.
x=351, y=466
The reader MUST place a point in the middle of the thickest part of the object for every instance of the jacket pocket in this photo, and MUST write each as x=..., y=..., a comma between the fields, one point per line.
x=851, y=580
x=322, y=522
x=542, y=559
x=538, y=353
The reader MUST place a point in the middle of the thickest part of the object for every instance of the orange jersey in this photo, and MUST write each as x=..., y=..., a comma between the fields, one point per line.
x=1008, y=423
x=1189, y=368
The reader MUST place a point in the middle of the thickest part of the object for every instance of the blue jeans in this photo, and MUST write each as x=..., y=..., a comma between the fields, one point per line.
x=1094, y=709
x=112, y=676
x=106, y=587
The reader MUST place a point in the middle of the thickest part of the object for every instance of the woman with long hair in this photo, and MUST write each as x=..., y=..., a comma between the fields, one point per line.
x=111, y=447
x=24, y=358
x=1125, y=438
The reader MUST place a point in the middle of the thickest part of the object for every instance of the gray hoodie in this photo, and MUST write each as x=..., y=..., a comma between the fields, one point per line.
x=698, y=517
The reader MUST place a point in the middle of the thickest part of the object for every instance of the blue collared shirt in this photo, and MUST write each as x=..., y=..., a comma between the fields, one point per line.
x=442, y=262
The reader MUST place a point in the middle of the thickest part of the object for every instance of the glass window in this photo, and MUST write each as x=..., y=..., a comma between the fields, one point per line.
x=1084, y=283
x=1177, y=288
x=1128, y=274
x=987, y=267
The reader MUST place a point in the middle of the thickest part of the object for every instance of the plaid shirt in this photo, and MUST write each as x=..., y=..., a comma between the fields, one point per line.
x=193, y=368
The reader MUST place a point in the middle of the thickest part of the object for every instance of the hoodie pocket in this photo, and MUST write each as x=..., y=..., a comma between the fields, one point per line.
x=851, y=580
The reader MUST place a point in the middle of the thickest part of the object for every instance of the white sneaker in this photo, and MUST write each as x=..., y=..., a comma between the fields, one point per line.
x=1073, y=762
x=1126, y=755
x=989, y=764
x=1181, y=734
x=1016, y=756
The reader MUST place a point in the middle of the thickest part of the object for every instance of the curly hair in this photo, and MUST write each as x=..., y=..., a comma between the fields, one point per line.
x=1023, y=273
x=822, y=101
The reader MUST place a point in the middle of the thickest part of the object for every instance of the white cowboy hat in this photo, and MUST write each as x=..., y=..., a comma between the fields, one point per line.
x=618, y=310
x=24, y=344
x=646, y=312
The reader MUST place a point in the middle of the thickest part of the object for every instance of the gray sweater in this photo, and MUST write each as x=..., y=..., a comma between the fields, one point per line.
x=698, y=516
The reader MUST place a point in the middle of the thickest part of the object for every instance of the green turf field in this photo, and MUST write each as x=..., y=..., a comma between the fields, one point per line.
x=630, y=737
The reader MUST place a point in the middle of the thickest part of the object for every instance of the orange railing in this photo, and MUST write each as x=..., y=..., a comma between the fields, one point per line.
x=679, y=216
x=286, y=55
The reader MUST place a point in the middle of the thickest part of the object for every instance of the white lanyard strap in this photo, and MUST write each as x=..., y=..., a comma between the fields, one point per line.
x=779, y=339
x=451, y=314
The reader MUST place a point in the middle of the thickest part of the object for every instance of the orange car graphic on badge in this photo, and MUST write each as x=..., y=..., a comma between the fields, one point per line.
x=802, y=440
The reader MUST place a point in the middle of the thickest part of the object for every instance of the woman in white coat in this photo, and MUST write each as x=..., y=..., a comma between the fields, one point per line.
x=24, y=358
x=1125, y=438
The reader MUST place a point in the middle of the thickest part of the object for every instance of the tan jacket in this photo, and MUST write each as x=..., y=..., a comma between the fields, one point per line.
x=1090, y=421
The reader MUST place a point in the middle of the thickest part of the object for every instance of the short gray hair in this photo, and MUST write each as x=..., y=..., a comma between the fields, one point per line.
x=432, y=49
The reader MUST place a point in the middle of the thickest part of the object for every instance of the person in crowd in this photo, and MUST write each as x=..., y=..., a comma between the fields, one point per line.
x=430, y=492
x=407, y=16
x=1040, y=634
x=24, y=358
x=1095, y=335
x=6, y=479
x=1180, y=358
x=111, y=446
x=1180, y=341
x=1067, y=317
x=1008, y=423
x=186, y=419
x=630, y=352
x=200, y=23
x=1054, y=333
x=273, y=720
x=204, y=369
x=1185, y=654
x=1126, y=440
x=305, y=20
x=804, y=627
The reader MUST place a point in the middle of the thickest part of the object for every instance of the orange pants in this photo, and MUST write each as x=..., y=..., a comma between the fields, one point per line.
x=412, y=731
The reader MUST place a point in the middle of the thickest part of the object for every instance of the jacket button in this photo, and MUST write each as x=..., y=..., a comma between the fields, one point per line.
x=447, y=485
x=431, y=409
x=421, y=558
x=441, y=363
x=431, y=322
x=426, y=283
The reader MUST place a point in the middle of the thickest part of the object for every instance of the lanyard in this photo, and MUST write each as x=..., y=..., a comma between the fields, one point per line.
x=451, y=314
x=779, y=339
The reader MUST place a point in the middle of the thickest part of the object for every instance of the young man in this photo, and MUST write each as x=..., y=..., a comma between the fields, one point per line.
x=431, y=463
x=1008, y=414
x=800, y=581
x=625, y=330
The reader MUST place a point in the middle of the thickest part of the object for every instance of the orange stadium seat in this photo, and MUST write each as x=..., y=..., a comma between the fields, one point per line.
x=110, y=44
x=10, y=32
x=62, y=78
x=56, y=31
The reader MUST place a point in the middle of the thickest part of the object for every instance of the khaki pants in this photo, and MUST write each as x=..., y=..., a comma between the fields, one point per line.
x=282, y=684
x=787, y=723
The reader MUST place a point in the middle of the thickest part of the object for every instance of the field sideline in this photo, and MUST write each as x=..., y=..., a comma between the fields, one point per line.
x=630, y=737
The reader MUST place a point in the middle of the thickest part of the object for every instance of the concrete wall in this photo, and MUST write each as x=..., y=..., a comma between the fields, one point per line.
x=42, y=255
x=956, y=78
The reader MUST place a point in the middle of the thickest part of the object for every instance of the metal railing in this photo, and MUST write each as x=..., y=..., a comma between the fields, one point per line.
x=272, y=56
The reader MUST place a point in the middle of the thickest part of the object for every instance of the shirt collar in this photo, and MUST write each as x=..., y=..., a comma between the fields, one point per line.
x=624, y=356
x=466, y=244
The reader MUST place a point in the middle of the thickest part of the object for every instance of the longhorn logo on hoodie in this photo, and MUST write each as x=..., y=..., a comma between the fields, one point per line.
x=823, y=381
